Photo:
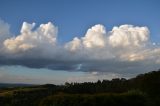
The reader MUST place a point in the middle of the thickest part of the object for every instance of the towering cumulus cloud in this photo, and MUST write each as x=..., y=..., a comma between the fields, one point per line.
x=43, y=37
x=124, y=49
x=95, y=37
x=128, y=35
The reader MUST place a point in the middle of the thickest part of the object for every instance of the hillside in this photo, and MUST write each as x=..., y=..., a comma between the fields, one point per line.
x=143, y=90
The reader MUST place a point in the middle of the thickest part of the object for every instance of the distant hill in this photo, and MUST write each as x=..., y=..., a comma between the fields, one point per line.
x=10, y=85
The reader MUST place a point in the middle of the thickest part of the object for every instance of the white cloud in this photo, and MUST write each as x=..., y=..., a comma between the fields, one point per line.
x=95, y=37
x=123, y=49
x=42, y=37
x=123, y=36
x=122, y=42
x=124, y=45
x=128, y=36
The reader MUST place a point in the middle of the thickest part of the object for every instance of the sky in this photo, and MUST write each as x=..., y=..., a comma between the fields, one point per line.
x=54, y=41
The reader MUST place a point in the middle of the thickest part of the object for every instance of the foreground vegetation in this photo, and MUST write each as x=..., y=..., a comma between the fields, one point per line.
x=144, y=90
x=133, y=98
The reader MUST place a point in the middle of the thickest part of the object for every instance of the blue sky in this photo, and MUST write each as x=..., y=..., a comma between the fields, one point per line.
x=73, y=19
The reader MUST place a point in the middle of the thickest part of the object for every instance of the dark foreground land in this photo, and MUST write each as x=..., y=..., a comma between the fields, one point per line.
x=144, y=90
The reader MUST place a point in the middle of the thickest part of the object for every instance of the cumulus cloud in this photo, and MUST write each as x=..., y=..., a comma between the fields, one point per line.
x=45, y=35
x=122, y=42
x=124, y=49
x=128, y=35
x=95, y=37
